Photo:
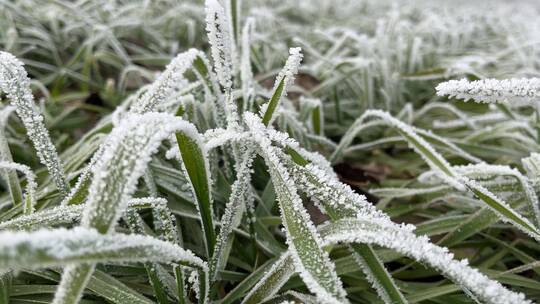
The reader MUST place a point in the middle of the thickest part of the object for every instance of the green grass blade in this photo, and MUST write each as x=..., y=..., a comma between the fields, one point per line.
x=312, y=262
x=364, y=254
x=438, y=163
x=273, y=102
x=196, y=165
x=272, y=281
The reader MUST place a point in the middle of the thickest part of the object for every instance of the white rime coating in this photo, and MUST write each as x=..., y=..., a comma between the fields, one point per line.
x=31, y=185
x=440, y=167
x=437, y=163
x=15, y=83
x=485, y=170
x=286, y=75
x=246, y=74
x=290, y=69
x=503, y=211
x=273, y=279
x=514, y=90
x=58, y=247
x=394, y=236
x=238, y=200
x=117, y=171
x=370, y=276
x=63, y=215
x=217, y=27
x=531, y=165
x=311, y=261
x=163, y=86
x=49, y=217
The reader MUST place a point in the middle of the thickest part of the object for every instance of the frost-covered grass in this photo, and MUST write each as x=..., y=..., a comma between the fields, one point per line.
x=223, y=151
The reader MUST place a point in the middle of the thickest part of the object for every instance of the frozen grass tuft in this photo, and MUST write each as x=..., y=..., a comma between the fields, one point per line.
x=270, y=152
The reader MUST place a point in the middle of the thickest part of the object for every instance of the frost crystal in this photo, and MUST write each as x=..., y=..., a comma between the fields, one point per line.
x=48, y=248
x=15, y=83
x=162, y=88
x=31, y=185
x=311, y=261
x=118, y=169
x=286, y=76
x=393, y=236
x=217, y=26
x=246, y=74
x=514, y=90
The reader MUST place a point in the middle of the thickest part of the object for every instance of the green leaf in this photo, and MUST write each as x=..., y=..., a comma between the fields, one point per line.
x=273, y=102
x=273, y=279
x=196, y=166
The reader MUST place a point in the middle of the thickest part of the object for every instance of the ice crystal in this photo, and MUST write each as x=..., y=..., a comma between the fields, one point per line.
x=31, y=185
x=217, y=26
x=162, y=88
x=246, y=74
x=285, y=78
x=15, y=83
x=392, y=236
x=118, y=169
x=313, y=263
x=47, y=248
x=514, y=90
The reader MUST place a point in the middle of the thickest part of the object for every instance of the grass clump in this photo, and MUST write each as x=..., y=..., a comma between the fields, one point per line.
x=350, y=172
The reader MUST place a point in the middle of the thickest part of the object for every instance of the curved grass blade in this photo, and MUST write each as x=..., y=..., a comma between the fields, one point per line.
x=195, y=163
x=30, y=191
x=238, y=199
x=10, y=176
x=311, y=261
x=284, y=80
x=279, y=273
x=115, y=176
x=339, y=201
x=59, y=247
x=15, y=83
x=449, y=175
x=402, y=239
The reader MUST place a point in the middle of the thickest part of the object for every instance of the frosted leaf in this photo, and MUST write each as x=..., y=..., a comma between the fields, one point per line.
x=163, y=86
x=272, y=281
x=283, y=81
x=445, y=144
x=515, y=90
x=63, y=215
x=116, y=174
x=404, y=241
x=15, y=83
x=485, y=170
x=447, y=107
x=12, y=180
x=31, y=185
x=5, y=112
x=440, y=167
x=488, y=118
x=405, y=192
x=246, y=74
x=164, y=221
x=219, y=36
x=435, y=161
x=531, y=165
x=215, y=138
x=52, y=248
x=117, y=171
x=238, y=199
x=468, y=174
x=501, y=208
x=45, y=218
x=311, y=261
